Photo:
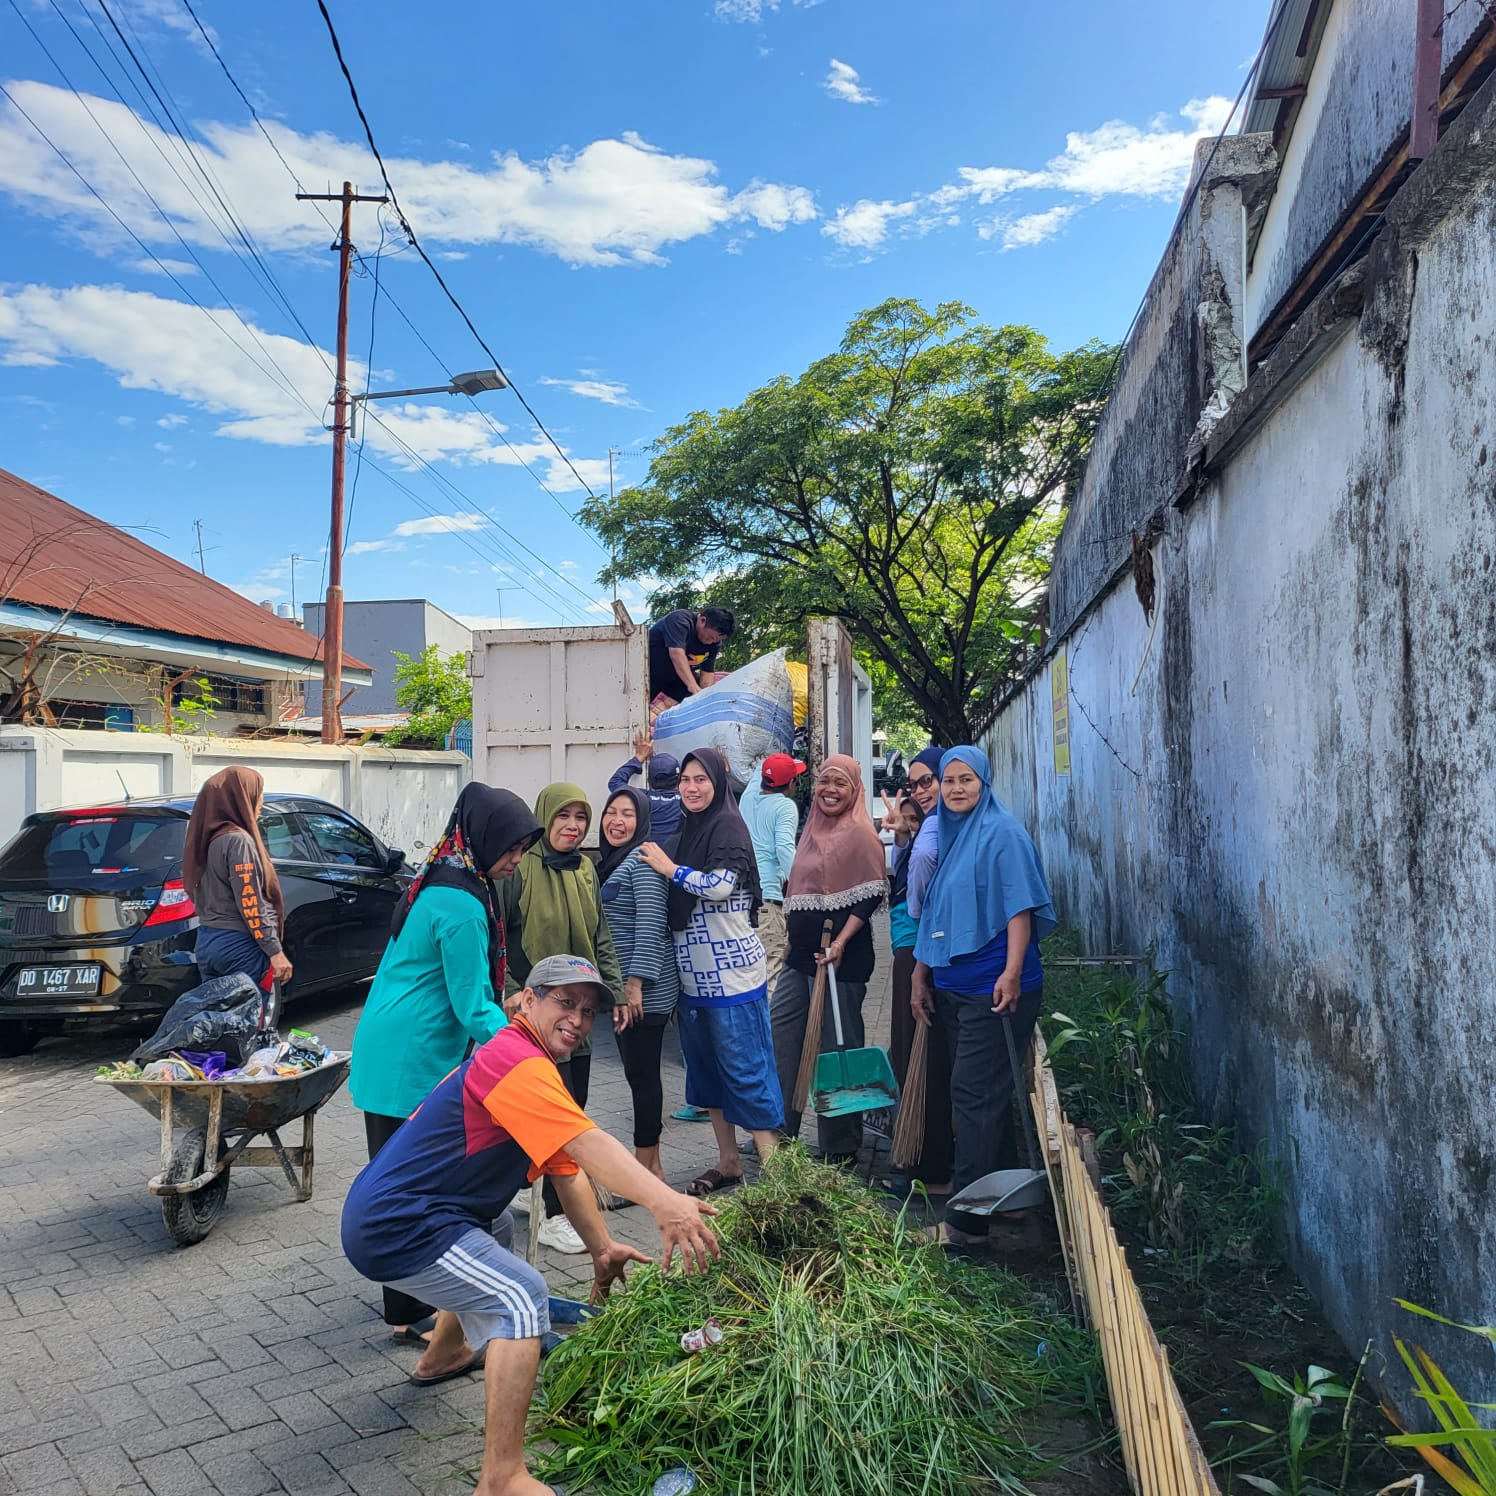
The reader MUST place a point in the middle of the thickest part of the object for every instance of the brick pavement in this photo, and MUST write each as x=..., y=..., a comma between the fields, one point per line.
x=254, y=1361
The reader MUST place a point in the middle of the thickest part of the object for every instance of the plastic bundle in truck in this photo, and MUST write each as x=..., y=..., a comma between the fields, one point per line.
x=747, y=715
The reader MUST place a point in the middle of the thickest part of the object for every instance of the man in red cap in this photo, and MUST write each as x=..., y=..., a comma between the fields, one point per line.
x=773, y=821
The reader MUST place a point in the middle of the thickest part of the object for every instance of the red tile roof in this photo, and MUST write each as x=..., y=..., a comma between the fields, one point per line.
x=53, y=555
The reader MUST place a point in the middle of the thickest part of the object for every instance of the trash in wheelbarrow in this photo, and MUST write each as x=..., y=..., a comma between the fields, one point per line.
x=229, y=1013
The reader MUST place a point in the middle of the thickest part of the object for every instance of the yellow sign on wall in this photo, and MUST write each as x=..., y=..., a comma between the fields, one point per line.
x=1059, y=694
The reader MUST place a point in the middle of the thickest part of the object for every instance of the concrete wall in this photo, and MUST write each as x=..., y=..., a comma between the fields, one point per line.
x=1358, y=104
x=404, y=797
x=1296, y=805
x=373, y=631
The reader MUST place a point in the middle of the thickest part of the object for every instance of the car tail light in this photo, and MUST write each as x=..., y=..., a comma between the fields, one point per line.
x=175, y=903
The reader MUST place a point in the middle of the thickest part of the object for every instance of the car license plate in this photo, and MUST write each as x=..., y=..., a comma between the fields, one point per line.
x=58, y=981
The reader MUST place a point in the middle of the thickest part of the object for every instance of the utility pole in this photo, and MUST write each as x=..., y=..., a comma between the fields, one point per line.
x=501, y=591
x=332, y=622
x=294, y=559
x=202, y=565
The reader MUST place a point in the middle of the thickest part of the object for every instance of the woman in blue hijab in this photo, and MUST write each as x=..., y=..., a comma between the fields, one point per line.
x=977, y=964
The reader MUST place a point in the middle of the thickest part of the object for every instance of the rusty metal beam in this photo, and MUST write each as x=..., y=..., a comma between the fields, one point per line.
x=1428, y=61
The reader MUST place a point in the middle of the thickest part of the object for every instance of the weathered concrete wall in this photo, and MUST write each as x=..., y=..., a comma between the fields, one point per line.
x=1298, y=806
x=1187, y=346
x=1358, y=105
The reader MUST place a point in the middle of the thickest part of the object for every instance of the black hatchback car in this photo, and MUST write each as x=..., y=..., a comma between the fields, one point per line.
x=96, y=924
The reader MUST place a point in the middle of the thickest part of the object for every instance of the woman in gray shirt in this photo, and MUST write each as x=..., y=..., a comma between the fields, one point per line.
x=229, y=875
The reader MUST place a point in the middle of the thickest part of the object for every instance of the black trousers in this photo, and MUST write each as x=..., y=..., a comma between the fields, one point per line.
x=933, y=1166
x=399, y=1308
x=639, y=1047
x=982, y=1087
x=789, y=1014
x=577, y=1073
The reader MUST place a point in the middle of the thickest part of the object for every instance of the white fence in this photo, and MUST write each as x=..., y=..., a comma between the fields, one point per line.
x=403, y=796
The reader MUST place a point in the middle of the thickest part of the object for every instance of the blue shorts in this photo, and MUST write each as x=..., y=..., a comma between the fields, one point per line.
x=494, y=1294
x=729, y=1054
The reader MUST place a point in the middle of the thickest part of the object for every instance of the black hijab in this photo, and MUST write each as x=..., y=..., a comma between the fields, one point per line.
x=613, y=857
x=715, y=838
x=900, y=892
x=484, y=824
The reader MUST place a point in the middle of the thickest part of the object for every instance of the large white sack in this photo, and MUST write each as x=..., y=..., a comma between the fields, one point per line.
x=748, y=715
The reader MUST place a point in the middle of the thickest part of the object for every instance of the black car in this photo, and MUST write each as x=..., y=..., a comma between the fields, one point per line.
x=95, y=922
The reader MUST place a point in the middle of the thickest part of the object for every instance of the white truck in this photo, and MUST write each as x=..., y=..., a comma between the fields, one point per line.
x=567, y=703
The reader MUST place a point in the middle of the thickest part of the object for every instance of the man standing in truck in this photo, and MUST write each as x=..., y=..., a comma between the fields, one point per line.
x=683, y=646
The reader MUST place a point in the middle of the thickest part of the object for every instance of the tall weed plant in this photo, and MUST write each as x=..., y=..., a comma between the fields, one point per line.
x=1120, y=1059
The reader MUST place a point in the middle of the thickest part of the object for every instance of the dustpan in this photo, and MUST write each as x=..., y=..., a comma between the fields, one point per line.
x=850, y=1080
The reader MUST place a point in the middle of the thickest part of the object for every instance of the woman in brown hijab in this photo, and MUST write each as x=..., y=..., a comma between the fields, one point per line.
x=231, y=879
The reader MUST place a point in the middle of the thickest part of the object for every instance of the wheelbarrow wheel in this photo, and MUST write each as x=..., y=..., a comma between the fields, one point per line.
x=189, y=1218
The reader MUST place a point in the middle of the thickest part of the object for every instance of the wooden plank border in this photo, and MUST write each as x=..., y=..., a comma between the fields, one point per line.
x=1159, y=1446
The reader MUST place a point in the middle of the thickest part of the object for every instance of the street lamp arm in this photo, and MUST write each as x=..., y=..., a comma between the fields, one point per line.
x=430, y=389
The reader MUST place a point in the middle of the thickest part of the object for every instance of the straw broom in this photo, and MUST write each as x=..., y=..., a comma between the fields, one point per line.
x=811, y=1049
x=909, y=1130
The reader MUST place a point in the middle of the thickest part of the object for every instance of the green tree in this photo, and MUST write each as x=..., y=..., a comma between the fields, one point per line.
x=435, y=691
x=911, y=484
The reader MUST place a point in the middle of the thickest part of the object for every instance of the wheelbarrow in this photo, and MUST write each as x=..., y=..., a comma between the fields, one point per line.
x=222, y=1118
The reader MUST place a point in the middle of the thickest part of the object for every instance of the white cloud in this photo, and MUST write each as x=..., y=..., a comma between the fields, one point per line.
x=482, y=622
x=865, y=225
x=164, y=446
x=1031, y=229
x=442, y=524
x=263, y=387
x=606, y=390
x=842, y=83
x=161, y=265
x=1114, y=158
x=609, y=202
x=365, y=547
x=167, y=423
x=752, y=11
x=773, y=206
x=593, y=471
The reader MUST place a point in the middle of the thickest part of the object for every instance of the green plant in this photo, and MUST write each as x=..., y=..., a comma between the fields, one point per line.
x=189, y=711
x=1301, y=1399
x=435, y=691
x=1460, y=1431
x=853, y=1359
x=1120, y=1058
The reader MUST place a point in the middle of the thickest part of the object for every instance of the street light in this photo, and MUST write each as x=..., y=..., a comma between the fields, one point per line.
x=475, y=382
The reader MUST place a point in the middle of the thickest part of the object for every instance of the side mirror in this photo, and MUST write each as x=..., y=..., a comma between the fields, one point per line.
x=394, y=860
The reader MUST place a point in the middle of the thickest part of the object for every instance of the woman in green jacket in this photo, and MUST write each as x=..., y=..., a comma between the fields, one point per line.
x=553, y=906
x=440, y=987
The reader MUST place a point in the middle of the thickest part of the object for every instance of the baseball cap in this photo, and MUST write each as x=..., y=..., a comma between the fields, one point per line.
x=664, y=771
x=569, y=971
x=779, y=769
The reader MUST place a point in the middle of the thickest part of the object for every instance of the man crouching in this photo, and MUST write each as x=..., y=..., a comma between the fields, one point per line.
x=418, y=1218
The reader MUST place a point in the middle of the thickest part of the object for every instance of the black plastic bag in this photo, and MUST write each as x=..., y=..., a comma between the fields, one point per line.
x=227, y=1013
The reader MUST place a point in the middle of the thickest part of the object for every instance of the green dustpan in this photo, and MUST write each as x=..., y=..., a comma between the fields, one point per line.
x=851, y=1080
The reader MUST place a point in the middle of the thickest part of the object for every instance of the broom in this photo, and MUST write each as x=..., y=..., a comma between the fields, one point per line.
x=811, y=1049
x=909, y=1130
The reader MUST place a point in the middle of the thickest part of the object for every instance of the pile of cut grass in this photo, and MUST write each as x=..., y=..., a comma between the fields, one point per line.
x=855, y=1359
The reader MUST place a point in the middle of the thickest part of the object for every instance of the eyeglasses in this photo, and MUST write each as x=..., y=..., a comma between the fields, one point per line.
x=920, y=783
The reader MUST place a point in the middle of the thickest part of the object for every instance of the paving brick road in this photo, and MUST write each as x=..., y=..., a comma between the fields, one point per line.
x=254, y=1361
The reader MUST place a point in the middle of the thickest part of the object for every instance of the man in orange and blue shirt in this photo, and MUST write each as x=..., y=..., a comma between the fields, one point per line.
x=417, y=1219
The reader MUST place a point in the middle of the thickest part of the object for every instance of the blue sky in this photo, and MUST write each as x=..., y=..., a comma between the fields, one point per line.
x=647, y=209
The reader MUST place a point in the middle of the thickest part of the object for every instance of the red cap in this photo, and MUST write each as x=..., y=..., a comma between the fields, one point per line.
x=779, y=769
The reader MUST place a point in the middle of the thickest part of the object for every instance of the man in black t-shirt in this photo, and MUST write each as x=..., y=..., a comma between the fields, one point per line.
x=683, y=645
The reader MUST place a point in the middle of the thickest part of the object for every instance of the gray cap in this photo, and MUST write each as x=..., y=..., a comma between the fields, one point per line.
x=569, y=971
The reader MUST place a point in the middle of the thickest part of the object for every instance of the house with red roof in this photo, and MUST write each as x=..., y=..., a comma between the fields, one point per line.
x=98, y=629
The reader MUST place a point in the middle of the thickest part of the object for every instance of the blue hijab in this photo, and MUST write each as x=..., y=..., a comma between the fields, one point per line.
x=988, y=872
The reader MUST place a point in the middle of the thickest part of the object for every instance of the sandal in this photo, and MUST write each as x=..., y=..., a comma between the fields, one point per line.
x=710, y=1181
x=416, y=1334
x=476, y=1364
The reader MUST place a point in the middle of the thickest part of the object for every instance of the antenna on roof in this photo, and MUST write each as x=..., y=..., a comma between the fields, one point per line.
x=125, y=787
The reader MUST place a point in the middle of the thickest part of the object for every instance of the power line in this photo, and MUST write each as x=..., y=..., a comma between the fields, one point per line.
x=416, y=245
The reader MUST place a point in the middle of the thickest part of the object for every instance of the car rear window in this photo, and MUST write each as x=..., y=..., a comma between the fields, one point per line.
x=103, y=848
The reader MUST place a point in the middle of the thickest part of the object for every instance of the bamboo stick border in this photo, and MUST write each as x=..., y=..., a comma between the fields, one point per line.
x=1159, y=1444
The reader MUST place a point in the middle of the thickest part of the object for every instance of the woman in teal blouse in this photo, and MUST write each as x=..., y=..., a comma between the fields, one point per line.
x=440, y=987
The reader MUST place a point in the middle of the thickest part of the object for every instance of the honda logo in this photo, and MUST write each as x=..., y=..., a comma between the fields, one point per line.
x=57, y=903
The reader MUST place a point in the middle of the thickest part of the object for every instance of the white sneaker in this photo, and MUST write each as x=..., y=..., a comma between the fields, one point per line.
x=560, y=1236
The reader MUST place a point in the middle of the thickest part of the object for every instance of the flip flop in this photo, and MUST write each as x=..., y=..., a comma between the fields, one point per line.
x=711, y=1181
x=690, y=1114
x=476, y=1364
x=415, y=1334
